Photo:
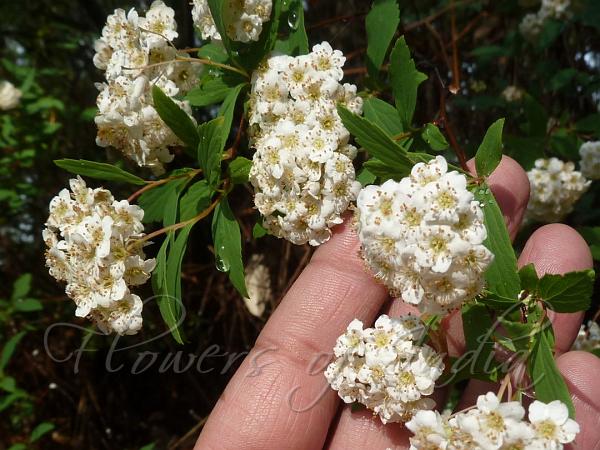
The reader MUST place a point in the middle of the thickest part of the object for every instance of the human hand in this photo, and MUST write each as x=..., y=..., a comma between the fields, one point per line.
x=279, y=398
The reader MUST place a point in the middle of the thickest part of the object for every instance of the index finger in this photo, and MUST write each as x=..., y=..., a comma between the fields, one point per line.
x=279, y=397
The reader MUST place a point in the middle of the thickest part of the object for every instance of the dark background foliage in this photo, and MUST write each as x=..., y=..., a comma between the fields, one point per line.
x=47, y=50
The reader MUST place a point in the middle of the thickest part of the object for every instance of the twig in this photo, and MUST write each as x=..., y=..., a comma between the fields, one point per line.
x=231, y=151
x=432, y=17
x=153, y=184
x=180, y=225
x=455, y=85
x=324, y=23
x=447, y=126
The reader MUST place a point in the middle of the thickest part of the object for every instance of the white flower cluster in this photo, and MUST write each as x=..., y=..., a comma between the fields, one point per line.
x=89, y=238
x=302, y=170
x=385, y=368
x=258, y=284
x=590, y=160
x=423, y=237
x=136, y=53
x=495, y=425
x=532, y=24
x=588, y=338
x=555, y=188
x=245, y=19
x=10, y=96
x=512, y=94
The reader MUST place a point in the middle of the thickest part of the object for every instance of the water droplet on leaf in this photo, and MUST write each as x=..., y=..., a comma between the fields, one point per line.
x=293, y=20
x=221, y=265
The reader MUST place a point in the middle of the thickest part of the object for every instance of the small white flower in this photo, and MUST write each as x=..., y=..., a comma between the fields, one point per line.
x=246, y=19
x=90, y=240
x=590, y=160
x=302, y=170
x=422, y=237
x=555, y=189
x=135, y=53
x=10, y=96
x=384, y=368
x=551, y=423
x=512, y=94
x=429, y=430
x=258, y=283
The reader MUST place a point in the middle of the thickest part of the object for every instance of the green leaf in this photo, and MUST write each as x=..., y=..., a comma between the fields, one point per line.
x=382, y=171
x=259, y=231
x=8, y=384
x=218, y=12
x=296, y=42
x=171, y=207
x=100, y=171
x=42, y=429
x=589, y=123
x=529, y=278
x=502, y=277
x=592, y=237
x=214, y=89
x=173, y=271
x=434, y=137
x=150, y=446
x=18, y=446
x=567, y=293
x=376, y=142
x=228, y=247
x=562, y=78
x=537, y=118
x=27, y=305
x=519, y=333
x=381, y=24
x=227, y=110
x=498, y=302
x=157, y=202
x=383, y=114
x=366, y=177
x=213, y=51
x=195, y=200
x=9, y=349
x=548, y=382
x=478, y=327
x=239, y=170
x=210, y=149
x=21, y=287
x=405, y=80
x=176, y=118
x=168, y=304
x=7, y=401
x=489, y=153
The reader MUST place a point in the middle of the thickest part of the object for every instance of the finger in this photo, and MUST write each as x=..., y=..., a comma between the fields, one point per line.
x=555, y=249
x=580, y=370
x=359, y=430
x=279, y=397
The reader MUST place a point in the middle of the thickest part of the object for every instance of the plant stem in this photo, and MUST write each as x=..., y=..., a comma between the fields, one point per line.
x=209, y=62
x=152, y=184
x=180, y=225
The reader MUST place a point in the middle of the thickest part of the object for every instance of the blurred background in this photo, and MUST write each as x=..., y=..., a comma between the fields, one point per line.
x=64, y=386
